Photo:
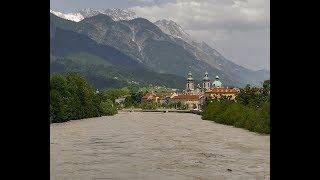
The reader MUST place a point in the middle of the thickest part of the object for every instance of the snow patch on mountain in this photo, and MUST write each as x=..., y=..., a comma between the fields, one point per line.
x=69, y=16
x=173, y=29
x=115, y=13
x=120, y=14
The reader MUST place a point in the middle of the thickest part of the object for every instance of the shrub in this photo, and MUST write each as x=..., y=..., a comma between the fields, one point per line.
x=108, y=108
x=251, y=111
x=74, y=98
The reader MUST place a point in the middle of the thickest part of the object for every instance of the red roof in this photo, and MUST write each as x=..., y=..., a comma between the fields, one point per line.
x=186, y=96
x=163, y=94
x=222, y=91
x=147, y=96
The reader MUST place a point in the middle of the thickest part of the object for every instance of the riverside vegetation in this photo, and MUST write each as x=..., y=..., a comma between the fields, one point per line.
x=250, y=110
x=72, y=97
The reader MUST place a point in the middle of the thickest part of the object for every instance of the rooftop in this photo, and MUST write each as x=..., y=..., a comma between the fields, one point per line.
x=222, y=90
x=186, y=96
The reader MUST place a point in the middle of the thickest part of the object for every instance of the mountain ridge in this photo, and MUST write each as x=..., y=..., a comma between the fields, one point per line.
x=115, y=13
x=135, y=38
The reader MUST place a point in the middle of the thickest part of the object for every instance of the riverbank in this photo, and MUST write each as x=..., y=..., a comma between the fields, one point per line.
x=156, y=145
x=162, y=110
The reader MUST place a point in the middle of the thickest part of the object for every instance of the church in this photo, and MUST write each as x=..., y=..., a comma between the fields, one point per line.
x=206, y=85
x=194, y=96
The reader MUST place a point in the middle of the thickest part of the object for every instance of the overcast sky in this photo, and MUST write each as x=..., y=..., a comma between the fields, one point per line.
x=238, y=29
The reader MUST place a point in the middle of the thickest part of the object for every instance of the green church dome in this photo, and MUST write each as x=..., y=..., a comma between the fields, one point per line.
x=217, y=82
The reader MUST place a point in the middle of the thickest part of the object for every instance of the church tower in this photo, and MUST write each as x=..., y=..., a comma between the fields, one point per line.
x=190, y=85
x=206, y=82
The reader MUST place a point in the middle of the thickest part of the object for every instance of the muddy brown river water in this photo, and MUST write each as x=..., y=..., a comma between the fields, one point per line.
x=155, y=146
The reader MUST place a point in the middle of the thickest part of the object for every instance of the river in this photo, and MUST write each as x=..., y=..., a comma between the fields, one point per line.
x=137, y=145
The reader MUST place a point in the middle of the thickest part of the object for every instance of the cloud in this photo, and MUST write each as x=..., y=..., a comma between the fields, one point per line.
x=220, y=21
x=152, y=1
x=218, y=14
x=239, y=29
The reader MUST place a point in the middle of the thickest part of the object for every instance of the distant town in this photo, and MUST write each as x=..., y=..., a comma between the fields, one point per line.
x=192, y=97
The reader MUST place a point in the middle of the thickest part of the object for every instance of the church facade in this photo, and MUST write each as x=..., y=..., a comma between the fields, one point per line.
x=193, y=96
x=200, y=92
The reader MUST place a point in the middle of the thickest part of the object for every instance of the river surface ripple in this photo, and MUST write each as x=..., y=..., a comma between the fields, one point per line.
x=136, y=145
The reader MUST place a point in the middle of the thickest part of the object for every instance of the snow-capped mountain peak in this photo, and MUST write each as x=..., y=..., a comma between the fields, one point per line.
x=89, y=12
x=115, y=13
x=120, y=14
x=69, y=16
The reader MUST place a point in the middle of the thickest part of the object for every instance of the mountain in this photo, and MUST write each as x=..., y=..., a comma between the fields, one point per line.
x=203, y=52
x=102, y=65
x=173, y=29
x=69, y=16
x=66, y=43
x=163, y=47
x=144, y=41
x=120, y=14
x=103, y=76
x=115, y=13
x=89, y=12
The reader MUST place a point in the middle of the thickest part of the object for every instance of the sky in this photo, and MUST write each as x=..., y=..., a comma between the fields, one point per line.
x=238, y=29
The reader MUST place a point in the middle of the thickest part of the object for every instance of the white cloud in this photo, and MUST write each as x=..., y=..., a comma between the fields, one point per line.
x=220, y=21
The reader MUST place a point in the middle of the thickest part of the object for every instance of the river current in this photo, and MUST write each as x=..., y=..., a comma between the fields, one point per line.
x=144, y=145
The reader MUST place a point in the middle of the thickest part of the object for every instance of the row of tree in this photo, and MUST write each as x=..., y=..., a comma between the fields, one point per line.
x=250, y=109
x=71, y=97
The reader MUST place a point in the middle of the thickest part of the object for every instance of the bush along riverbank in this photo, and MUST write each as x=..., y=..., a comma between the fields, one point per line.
x=72, y=97
x=250, y=110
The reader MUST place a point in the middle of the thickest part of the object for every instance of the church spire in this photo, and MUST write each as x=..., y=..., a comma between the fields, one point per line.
x=189, y=85
x=206, y=82
x=190, y=76
x=206, y=78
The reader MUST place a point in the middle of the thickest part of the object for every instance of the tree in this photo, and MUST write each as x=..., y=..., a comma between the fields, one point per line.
x=194, y=106
x=179, y=105
x=108, y=108
x=113, y=94
x=74, y=98
x=266, y=88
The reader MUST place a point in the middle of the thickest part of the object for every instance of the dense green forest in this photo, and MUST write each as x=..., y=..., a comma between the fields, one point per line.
x=71, y=98
x=250, y=109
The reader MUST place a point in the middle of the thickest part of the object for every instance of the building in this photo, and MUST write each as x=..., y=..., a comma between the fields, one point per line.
x=190, y=100
x=217, y=82
x=217, y=92
x=120, y=100
x=190, y=85
x=193, y=97
x=206, y=83
x=149, y=97
x=198, y=89
x=159, y=98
